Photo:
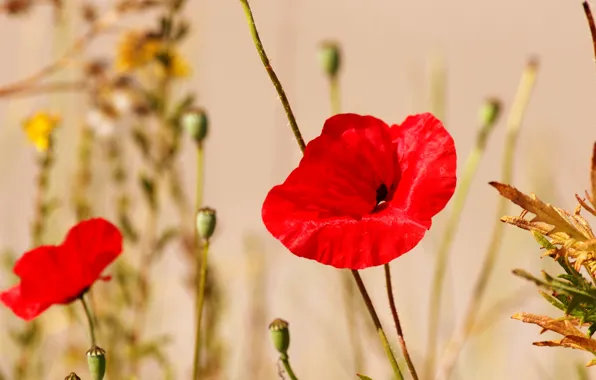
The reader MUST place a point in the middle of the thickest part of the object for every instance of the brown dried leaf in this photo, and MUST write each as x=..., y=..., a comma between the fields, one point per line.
x=561, y=221
x=543, y=228
x=585, y=205
x=572, y=336
x=563, y=327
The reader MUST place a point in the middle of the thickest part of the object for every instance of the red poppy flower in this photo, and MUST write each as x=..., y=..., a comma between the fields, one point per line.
x=60, y=274
x=364, y=193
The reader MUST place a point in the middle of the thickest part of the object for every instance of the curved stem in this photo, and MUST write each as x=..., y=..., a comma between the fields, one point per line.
x=276, y=83
x=285, y=360
x=378, y=326
x=590, y=18
x=400, y=333
x=89, y=315
x=200, y=299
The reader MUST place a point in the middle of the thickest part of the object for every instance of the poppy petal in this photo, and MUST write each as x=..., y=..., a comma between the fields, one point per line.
x=428, y=163
x=57, y=274
x=43, y=274
x=92, y=245
x=20, y=306
x=342, y=168
x=342, y=242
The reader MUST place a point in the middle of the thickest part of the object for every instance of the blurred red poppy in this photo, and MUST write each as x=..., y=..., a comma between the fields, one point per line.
x=364, y=193
x=60, y=274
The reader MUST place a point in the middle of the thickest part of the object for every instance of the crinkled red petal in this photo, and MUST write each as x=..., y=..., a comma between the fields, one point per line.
x=428, y=162
x=323, y=211
x=58, y=274
x=21, y=306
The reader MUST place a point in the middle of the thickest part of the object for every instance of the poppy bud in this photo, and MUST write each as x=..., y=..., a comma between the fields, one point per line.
x=330, y=58
x=280, y=335
x=206, y=221
x=490, y=111
x=72, y=376
x=196, y=123
x=96, y=361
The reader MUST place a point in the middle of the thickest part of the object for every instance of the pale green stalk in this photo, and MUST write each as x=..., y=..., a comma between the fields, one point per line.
x=459, y=200
x=438, y=88
x=302, y=145
x=201, y=267
x=516, y=116
x=200, y=299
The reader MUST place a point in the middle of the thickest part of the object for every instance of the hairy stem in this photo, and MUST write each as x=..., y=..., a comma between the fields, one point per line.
x=400, y=334
x=276, y=83
x=89, y=316
x=285, y=360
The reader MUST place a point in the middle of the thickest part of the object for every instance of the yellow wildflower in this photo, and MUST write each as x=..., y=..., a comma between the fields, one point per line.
x=39, y=128
x=136, y=49
x=178, y=67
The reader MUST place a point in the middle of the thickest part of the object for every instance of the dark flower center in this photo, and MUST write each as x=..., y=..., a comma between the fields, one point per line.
x=382, y=193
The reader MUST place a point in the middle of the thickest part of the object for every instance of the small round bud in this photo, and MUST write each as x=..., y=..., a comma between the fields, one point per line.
x=206, y=221
x=280, y=335
x=490, y=111
x=196, y=123
x=330, y=58
x=72, y=376
x=96, y=361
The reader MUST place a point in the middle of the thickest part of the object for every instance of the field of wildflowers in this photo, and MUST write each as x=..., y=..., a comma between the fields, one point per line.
x=157, y=243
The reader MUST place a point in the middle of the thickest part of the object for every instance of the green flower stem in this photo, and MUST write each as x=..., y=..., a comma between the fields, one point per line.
x=516, y=115
x=298, y=136
x=199, y=180
x=200, y=299
x=378, y=326
x=400, y=333
x=285, y=360
x=334, y=94
x=438, y=88
x=201, y=267
x=90, y=319
x=459, y=200
x=276, y=83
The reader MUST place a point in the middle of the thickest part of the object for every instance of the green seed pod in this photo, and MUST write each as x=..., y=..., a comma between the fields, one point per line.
x=330, y=58
x=490, y=112
x=196, y=123
x=206, y=221
x=96, y=361
x=280, y=335
x=72, y=376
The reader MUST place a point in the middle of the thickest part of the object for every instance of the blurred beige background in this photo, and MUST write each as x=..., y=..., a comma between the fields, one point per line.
x=389, y=47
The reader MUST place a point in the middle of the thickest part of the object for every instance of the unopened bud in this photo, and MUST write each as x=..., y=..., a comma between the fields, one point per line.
x=280, y=335
x=206, y=221
x=72, y=376
x=490, y=111
x=96, y=361
x=330, y=58
x=196, y=123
